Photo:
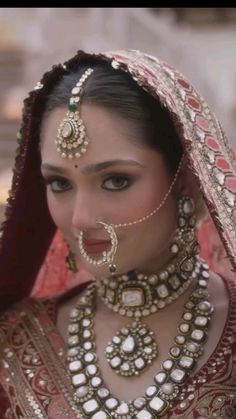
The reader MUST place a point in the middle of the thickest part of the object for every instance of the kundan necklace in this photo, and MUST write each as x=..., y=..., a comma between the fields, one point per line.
x=136, y=295
x=92, y=397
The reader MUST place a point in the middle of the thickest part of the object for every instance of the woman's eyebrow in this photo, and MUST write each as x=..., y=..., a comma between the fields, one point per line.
x=97, y=167
x=94, y=168
x=56, y=169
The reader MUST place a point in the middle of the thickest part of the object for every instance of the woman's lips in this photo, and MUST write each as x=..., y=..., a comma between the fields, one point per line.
x=96, y=246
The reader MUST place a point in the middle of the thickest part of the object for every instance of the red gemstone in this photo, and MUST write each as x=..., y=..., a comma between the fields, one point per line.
x=212, y=143
x=193, y=103
x=222, y=163
x=183, y=83
x=202, y=122
x=231, y=183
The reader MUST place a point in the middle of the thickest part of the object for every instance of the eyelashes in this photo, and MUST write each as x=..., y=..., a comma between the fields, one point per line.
x=57, y=184
x=112, y=183
x=117, y=182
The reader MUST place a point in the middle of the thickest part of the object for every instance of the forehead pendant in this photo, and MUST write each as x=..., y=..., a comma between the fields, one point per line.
x=72, y=140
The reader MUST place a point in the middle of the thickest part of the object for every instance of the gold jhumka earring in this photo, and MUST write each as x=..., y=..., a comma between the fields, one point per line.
x=70, y=262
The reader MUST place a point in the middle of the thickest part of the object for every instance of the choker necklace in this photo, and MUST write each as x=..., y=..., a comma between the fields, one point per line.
x=94, y=400
x=136, y=295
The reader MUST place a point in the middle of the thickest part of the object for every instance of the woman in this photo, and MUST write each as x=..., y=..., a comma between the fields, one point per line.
x=128, y=152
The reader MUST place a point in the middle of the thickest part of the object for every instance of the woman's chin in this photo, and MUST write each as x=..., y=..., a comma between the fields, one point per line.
x=101, y=271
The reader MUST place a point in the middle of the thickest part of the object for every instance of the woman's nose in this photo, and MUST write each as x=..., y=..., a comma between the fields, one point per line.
x=84, y=214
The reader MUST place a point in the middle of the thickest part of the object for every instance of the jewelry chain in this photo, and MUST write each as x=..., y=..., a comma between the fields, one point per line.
x=159, y=207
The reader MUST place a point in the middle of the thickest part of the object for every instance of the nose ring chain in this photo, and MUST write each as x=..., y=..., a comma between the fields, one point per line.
x=108, y=256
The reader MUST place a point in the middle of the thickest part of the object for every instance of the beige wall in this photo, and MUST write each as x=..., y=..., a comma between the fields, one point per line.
x=33, y=39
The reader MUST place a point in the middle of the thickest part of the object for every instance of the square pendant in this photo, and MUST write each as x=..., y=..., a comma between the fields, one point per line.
x=144, y=414
x=100, y=415
x=133, y=297
x=90, y=406
x=178, y=375
x=186, y=362
x=157, y=404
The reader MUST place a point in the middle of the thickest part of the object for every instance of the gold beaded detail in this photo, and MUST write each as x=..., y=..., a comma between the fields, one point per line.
x=107, y=256
x=159, y=207
x=72, y=140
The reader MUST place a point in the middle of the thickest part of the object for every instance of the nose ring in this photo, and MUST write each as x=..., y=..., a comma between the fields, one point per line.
x=107, y=256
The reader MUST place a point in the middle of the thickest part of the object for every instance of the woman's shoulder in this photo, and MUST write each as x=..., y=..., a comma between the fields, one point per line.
x=13, y=319
x=28, y=305
x=17, y=311
x=33, y=306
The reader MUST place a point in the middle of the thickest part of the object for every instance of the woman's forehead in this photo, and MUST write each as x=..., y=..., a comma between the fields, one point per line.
x=109, y=139
x=106, y=130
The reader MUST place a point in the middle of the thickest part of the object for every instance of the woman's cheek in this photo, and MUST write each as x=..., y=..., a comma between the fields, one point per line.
x=58, y=211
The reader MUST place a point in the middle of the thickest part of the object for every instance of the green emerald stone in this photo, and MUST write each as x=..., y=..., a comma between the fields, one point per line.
x=73, y=107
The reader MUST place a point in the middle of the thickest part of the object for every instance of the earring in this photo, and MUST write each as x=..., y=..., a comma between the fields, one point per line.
x=185, y=237
x=70, y=262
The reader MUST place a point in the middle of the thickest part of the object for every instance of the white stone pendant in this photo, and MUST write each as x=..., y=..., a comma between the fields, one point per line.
x=132, y=349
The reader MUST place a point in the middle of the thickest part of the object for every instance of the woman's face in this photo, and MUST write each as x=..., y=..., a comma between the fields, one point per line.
x=118, y=180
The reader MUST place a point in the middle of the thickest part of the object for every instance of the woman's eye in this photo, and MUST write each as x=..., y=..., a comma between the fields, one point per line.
x=116, y=183
x=58, y=184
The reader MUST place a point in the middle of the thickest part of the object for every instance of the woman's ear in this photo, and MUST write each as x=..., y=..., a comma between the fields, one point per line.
x=186, y=183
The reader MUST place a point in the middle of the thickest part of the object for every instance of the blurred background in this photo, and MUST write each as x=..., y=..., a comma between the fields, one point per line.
x=200, y=42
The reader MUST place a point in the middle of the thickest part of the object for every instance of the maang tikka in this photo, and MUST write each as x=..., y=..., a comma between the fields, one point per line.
x=72, y=140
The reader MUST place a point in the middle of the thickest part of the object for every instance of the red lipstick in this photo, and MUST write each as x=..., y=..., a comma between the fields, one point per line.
x=96, y=245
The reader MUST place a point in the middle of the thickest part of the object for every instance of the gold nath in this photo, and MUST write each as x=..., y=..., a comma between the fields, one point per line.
x=71, y=139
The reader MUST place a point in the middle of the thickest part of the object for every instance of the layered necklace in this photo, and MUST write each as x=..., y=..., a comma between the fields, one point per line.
x=95, y=399
x=133, y=348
